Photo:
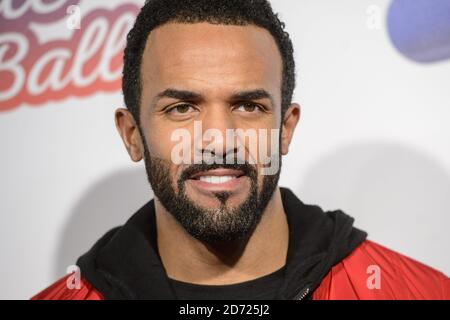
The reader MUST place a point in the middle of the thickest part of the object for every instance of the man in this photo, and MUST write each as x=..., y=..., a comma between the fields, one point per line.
x=221, y=228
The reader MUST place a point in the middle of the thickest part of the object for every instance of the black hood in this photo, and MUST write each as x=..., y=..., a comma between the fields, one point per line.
x=125, y=264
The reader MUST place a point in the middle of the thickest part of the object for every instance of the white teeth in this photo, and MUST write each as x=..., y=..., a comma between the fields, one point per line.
x=216, y=179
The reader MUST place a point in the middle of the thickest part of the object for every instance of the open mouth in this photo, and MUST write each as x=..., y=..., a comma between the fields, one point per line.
x=217, y=179
x=217, y=176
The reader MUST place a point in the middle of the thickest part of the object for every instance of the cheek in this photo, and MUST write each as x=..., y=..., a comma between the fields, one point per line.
x=160, y=146
x=265, y=147
x=159, y=142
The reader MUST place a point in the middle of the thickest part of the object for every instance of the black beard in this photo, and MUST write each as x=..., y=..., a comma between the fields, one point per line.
x=213, y=226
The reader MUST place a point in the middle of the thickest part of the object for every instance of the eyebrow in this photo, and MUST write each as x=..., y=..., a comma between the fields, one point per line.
x=256, y=94
x=178, y=94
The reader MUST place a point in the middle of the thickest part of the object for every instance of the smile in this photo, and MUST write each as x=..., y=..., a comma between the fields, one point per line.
x=217, y=180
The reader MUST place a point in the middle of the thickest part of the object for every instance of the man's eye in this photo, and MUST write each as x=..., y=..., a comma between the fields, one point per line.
x=248, y=107
x=181, y=109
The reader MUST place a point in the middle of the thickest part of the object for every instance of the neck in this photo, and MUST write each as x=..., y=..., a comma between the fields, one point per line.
x=189, y=260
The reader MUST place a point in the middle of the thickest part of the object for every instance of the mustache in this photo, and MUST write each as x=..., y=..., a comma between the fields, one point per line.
x=247, y=169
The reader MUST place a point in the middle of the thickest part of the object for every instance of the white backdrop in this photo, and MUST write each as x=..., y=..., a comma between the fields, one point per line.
x=373, y=140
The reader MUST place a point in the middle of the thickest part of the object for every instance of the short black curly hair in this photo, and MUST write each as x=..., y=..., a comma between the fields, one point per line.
x=227, y=12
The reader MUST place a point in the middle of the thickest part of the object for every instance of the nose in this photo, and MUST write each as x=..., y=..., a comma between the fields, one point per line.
x=218, y=141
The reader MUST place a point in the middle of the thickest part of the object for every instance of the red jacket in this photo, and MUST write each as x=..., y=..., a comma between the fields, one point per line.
x=400, y=278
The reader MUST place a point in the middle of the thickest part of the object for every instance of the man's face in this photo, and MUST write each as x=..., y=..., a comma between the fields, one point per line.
x=221, y=77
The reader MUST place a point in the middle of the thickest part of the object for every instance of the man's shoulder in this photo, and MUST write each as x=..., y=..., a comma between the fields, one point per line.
x=64, y=289
x=373, y=271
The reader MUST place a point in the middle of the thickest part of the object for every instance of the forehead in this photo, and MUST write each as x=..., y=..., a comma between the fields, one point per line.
x=210, y=58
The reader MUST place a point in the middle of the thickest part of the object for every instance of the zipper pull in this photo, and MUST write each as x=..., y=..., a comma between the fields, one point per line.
x=302, y=294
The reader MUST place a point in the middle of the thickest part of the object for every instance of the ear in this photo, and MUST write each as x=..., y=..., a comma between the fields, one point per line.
x=129, y=132
x=291, y=118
